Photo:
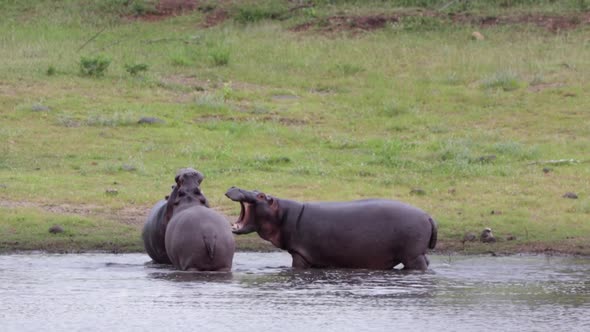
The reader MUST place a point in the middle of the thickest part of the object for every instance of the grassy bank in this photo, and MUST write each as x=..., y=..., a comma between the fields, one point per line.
x=480, y=133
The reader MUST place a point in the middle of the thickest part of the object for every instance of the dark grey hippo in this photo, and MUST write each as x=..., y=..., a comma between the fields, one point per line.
x=154, y=229
x=372, y=233
x=196, y=238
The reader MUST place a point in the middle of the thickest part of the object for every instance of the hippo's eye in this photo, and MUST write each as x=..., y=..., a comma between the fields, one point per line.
x=261, y=196
x=181, y=194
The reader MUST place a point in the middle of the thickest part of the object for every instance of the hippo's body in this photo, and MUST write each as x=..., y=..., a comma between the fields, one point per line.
x=373, y=234
x=154, y=231
x=198, y=238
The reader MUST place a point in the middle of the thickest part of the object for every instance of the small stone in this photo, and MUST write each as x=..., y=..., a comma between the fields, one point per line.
x=56, y=229
x=510, y=238
x=570, y=194
x=452, y=191
x=546, y=170
x=469, y=237
x=496, y=212
x=128, y=168
x=40, y=108
x=487, y=236
x=418, y=191
x=149, y=120
x=112, y=192
x=476, y=35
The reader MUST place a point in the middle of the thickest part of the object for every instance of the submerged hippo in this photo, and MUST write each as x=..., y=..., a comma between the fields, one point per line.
x=196, y=238
x=372, y=234
x=154, y=229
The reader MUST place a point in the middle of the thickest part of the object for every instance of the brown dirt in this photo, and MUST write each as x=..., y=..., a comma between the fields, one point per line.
x=268, y=118
x=552, y=23
x=216, y=15
x=130, y=215
x=167, y=8
x=356, y=24
x=214, y=18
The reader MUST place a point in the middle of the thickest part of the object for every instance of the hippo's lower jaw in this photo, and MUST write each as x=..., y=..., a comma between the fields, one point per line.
x=242, y=226
x=236, y=229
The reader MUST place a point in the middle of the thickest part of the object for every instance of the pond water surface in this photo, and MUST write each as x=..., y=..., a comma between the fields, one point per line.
x=104, y=292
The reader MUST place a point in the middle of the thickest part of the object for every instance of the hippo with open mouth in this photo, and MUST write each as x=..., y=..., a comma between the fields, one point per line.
x=371, y=234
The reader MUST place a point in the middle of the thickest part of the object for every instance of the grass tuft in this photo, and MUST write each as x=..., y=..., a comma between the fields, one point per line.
x=505, y=80
x=94, y=65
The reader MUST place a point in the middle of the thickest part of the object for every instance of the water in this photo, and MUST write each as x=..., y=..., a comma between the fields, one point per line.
x=103, y=292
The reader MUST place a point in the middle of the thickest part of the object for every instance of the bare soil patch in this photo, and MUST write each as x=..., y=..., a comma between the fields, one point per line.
x=356, y=24
x=552, y=23
x=215, y=17
x=130, y=215
x=267, y=118
x=168, y=8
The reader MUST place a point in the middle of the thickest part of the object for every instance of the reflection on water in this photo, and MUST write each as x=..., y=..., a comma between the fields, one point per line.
x=122, y=292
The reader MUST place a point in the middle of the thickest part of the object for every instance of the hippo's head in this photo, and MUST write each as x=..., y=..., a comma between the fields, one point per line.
x=260, y=213
x=189, y=177
x=186, y=193
x=188, y=187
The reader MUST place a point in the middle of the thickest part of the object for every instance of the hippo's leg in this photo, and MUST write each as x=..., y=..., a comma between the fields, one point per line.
x=419, y=262
x=299, y=262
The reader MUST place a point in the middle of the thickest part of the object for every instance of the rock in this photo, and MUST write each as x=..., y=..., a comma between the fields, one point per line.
x=469, y=237
x=476, y=35
x=284, y=97
x=546, y=170
x=510, y=238
x=3, y=186
x=150, y=120
x=112, y=192
x=570, y=194
x=55, y=229
x=418, y=191
x=496, y=212
x=487, y=236
x=129, y=168
x=40, y=108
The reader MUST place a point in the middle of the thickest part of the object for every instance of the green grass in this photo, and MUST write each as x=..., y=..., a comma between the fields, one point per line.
x=373, y=115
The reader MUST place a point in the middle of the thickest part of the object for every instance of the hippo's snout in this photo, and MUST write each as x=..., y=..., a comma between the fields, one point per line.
x=239, y=195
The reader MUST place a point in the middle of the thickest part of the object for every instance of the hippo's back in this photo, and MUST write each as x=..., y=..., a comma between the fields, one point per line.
x=199, y=238
x=343, y=233
x=367, y=213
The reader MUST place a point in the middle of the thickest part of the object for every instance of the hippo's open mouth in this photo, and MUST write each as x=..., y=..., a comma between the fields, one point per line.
x=245, y=223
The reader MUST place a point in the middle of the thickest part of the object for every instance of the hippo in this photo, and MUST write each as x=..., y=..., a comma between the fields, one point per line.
x=370, y=234
x=197, y=237
x=154, y=228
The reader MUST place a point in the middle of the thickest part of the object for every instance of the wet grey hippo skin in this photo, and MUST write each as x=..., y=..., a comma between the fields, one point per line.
x=197, y=238
x=373, y=233
x=154, y=229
